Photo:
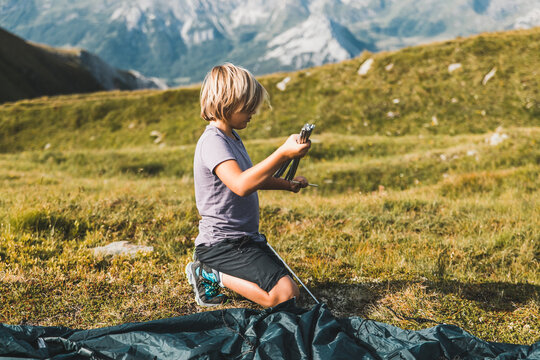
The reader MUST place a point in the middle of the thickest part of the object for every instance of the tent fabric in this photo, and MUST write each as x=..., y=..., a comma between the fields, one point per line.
x=282, y=332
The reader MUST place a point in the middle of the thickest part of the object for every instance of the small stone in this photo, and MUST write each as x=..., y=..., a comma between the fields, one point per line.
x=496, y=139
x=121, y=248
x=158, y=136
x=453, y=67
x=489, y=75
x=364, y=68
x=282, y=85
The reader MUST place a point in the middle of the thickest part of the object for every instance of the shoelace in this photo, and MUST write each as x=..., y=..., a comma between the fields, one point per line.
x=211, y=289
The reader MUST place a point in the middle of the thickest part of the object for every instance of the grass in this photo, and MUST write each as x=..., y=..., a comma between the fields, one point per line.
x=459, y=246
x=431, y=223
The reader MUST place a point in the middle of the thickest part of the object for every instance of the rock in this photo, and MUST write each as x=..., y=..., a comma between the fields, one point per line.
x=496, y=139
x=158, y=136
x=389, y=67
x=453, y=67
x=395, y=101
x=47, y=146
x=364, y=68
x=283, y=83
x=121, y=248
x=489, y=75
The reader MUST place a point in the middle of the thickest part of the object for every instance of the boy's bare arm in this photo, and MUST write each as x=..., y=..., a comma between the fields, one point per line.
x=273, y=183
x=246, y=182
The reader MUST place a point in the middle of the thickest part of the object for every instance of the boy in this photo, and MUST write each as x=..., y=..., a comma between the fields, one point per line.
x=229, y=250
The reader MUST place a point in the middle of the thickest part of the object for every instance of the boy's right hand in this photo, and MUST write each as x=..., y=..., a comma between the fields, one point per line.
x=291, y=149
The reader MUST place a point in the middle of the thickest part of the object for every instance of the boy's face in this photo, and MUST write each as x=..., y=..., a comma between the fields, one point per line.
x=240, y=120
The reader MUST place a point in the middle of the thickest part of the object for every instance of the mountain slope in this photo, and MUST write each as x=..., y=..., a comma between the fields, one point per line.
x=31, y=70
x=314, y=42
x=28, y=71
x=179, y=40
x=417, y=94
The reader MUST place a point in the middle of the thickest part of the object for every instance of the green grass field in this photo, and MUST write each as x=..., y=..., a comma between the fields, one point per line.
x=413, y=219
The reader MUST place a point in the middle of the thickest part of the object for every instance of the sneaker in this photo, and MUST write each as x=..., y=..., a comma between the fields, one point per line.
x=205, y=285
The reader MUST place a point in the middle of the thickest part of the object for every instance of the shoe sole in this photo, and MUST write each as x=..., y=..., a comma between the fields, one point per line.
x=193, y=283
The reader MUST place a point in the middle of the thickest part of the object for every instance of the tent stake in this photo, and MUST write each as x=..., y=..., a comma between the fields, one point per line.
x=292, y=272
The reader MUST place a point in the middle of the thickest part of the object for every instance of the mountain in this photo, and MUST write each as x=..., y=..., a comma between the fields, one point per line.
x=180, y=40
x=30, y=70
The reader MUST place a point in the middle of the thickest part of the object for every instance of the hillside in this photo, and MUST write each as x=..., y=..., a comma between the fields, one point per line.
x=418, y=95
x=178, y=40
x=30, y=70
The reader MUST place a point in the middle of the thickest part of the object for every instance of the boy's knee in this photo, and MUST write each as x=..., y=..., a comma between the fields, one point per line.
x=294, y=291
x=284, y=290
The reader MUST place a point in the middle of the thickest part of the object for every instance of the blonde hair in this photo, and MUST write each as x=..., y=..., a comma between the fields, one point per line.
x=228, y=89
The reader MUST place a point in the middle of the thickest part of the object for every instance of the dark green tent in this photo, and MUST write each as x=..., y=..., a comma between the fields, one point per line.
x=283, y=332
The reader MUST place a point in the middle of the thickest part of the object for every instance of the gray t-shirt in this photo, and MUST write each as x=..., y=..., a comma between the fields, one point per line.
x=225, y=215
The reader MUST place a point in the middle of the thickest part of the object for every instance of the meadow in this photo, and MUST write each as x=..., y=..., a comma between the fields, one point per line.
x=420, y=217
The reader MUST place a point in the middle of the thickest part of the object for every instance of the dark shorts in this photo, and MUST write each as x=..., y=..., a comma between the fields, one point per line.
x=244, y=258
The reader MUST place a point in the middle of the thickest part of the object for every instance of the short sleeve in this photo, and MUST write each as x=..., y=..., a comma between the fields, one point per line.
x=214, y=151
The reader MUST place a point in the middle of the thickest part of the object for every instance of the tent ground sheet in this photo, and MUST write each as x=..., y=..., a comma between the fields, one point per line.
x=282, y=332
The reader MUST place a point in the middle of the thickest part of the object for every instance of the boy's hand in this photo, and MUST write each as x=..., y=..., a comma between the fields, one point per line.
x=291, y=149
x=301, y=182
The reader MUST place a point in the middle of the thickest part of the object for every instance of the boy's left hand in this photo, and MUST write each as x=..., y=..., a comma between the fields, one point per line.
x=302, y=182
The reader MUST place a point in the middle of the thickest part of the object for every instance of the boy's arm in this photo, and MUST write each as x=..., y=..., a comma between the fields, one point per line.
x=273, y=183
x=243, y=183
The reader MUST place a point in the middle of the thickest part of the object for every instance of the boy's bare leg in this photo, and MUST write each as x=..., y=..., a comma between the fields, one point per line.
x=284, y=290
